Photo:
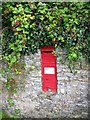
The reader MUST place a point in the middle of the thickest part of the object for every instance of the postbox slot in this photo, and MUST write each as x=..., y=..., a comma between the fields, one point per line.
x=48, y=51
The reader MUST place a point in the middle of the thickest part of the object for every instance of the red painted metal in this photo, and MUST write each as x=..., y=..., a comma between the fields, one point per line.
x=49, y=69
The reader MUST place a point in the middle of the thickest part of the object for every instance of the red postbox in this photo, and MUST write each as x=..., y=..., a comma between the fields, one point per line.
x=49, y=69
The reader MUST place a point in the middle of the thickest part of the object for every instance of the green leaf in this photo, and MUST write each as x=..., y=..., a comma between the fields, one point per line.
x=26, y=26
x=12, y=46
x=74, y=16
x=15, y=91
x=27, y=10
x=74, y=55
x=8, y=87
x=52, y=36
x=76, y=21
x=66, y=19
x=20, y=9
x=41, y=18
x=66, y=9
x=18, y=54
x=9, y=78
x=9, y=99
x=17, y=111
x=11, y=104
x=86, y=11
x=9, y=56
x=50, y=18
x=15, y=10
x=19, y=29
x=13, y=59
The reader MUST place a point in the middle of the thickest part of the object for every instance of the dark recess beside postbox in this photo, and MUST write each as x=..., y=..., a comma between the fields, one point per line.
x=49, y=69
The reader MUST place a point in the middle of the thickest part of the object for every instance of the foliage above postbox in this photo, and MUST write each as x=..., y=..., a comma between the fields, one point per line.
x=29, y=26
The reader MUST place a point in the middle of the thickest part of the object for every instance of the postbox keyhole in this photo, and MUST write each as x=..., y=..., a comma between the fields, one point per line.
x=46, y=79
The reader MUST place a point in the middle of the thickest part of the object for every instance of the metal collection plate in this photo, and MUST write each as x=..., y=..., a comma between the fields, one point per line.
x=49, y=70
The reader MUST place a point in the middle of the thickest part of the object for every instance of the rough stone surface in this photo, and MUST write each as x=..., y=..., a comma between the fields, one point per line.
x=70, y=100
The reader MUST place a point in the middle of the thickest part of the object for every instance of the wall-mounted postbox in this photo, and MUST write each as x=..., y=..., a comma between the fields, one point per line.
x=49, y=69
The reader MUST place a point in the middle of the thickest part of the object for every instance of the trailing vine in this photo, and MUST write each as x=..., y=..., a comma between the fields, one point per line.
x=29, y=26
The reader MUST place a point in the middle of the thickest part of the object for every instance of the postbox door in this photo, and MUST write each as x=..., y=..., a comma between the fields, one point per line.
x=49, y=72
x=49, y=77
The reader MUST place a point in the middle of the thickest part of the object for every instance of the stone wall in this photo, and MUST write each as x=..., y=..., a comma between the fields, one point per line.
x=70, y=100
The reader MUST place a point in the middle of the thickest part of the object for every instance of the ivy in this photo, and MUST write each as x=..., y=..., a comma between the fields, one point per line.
x=28, y=26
